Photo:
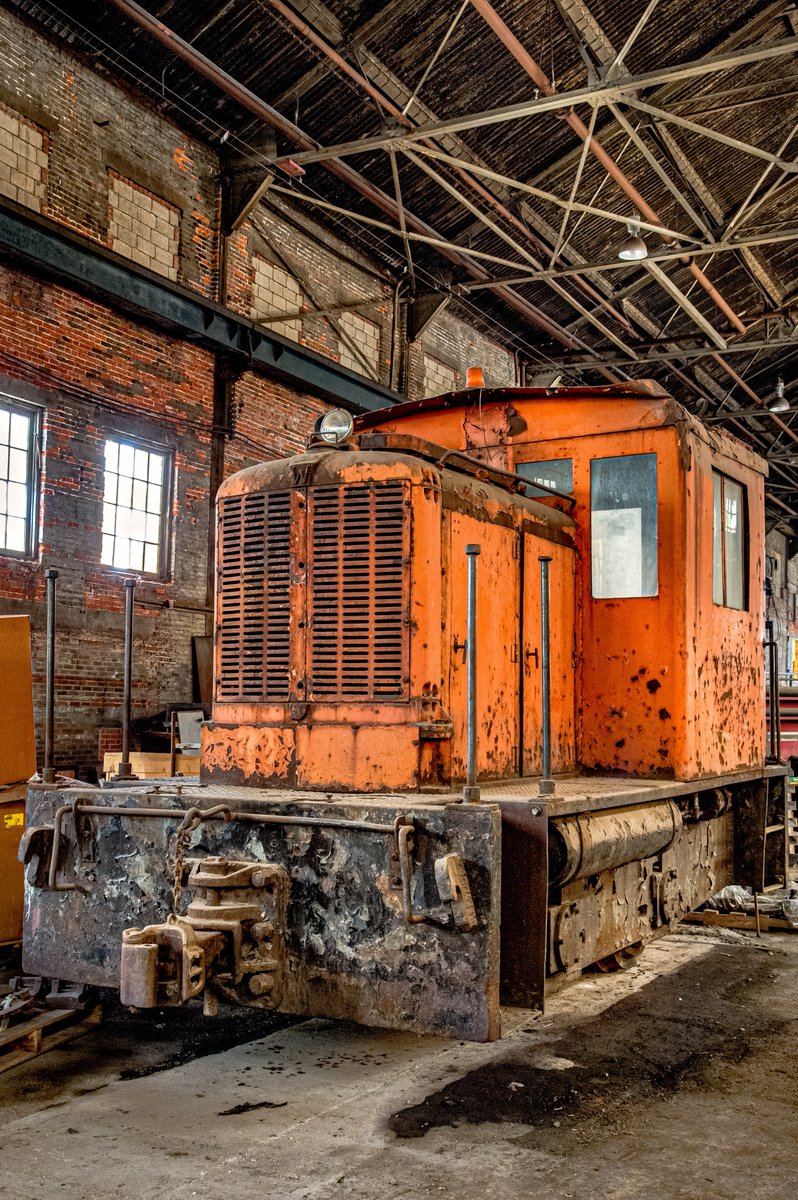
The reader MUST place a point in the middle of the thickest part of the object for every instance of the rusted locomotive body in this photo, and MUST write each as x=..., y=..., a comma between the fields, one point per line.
x=412, y=627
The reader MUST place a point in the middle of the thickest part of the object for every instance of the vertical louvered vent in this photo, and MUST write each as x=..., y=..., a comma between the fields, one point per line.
x=357, y=593
x=253, y=577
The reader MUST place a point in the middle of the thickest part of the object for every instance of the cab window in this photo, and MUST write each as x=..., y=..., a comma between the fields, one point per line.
x=729, y=543
x=623, y=526
x=556, y=473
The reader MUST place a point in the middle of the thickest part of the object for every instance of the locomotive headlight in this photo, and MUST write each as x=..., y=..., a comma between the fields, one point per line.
x=335, y=426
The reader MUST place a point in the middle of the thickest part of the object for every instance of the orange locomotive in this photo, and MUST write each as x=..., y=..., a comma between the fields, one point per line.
x=489, y=708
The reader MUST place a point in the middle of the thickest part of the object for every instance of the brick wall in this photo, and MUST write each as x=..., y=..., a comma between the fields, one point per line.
x=131, y=382
x=439, y=377
x=23, y=159
x=275, y=293
x=782, y=600
x=143, y=227
x=280, y=262
x=447, y=348
x=93, y=134
x=365, y=336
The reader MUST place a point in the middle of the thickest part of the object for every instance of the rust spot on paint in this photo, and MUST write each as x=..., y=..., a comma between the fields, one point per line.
x=664, y=715
x=653, y=685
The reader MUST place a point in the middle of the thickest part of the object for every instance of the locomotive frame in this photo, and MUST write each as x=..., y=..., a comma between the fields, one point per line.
x=333, y=866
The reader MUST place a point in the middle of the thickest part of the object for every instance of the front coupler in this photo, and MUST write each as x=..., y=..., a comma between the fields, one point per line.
x=372, y=910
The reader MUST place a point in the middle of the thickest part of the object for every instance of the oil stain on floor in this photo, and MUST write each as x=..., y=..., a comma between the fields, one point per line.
x=645, y=1047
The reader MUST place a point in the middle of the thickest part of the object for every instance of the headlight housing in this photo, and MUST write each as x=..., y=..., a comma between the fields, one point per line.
x=335, y=427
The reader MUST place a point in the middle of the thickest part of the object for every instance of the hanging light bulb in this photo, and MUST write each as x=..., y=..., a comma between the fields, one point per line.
x=633, y=248
x=779, y=403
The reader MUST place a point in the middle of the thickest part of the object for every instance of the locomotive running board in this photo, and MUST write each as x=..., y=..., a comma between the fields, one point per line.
x=391, y=916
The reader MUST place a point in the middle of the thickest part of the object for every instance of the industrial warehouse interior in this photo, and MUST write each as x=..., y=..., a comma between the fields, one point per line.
x=398, y=599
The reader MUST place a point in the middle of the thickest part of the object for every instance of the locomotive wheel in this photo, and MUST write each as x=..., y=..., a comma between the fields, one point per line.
x=621, y=960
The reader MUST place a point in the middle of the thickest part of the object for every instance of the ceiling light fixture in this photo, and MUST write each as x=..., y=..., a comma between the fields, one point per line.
x=779, y=403
x=633, y=248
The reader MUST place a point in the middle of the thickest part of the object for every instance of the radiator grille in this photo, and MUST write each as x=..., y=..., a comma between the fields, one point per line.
x=357, y=593
x=253, y=579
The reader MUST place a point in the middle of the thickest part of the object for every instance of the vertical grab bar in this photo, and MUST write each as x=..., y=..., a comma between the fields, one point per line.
x=546, y=785
x=124, y=770
x=471, y=791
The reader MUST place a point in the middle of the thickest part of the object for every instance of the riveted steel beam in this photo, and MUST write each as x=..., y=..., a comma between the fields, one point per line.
x=49, y=250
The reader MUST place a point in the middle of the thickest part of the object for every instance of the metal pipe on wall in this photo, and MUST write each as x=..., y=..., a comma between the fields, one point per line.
x=546, y=785
x=774, y=724
x=471, y=790
x=124, y=771
x=48, y=771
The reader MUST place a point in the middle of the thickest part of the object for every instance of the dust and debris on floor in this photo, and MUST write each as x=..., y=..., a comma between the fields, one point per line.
x=678, y=1074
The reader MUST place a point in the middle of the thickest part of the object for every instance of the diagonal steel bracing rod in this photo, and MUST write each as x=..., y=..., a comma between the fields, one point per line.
x=616, y=264
x=714, y=134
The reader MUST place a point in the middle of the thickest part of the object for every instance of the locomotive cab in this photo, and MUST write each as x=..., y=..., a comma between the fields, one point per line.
x=669, y=528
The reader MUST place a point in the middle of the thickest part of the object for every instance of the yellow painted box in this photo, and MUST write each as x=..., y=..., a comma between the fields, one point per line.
x=17, y=764
x=12, y=826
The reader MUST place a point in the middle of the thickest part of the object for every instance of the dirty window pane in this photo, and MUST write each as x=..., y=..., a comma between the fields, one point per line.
x=17, y=478
x=729, y=567
x=623, y=526
x=717, y=539
x=733, y=531
x=132, y=507
x=557, y=473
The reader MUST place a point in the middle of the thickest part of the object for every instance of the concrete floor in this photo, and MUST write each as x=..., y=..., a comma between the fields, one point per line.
x=676, y=1077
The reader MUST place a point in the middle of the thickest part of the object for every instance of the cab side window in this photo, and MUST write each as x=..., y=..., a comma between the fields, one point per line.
x=623, y=526
x=555, y=473
x=729, y=543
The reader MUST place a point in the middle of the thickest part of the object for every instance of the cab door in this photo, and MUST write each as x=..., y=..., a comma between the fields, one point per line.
x=498, y=713
x=529, y=666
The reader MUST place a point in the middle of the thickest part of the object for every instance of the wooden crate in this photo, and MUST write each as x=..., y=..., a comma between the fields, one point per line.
x=44, y=1030
x=153, y=766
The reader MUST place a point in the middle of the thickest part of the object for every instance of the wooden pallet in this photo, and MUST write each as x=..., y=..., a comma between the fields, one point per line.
x=740, y=921
x=44, y=1031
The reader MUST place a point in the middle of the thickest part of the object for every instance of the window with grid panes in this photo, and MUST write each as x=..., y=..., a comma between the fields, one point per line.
x=134, y=504
x=18, y=428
